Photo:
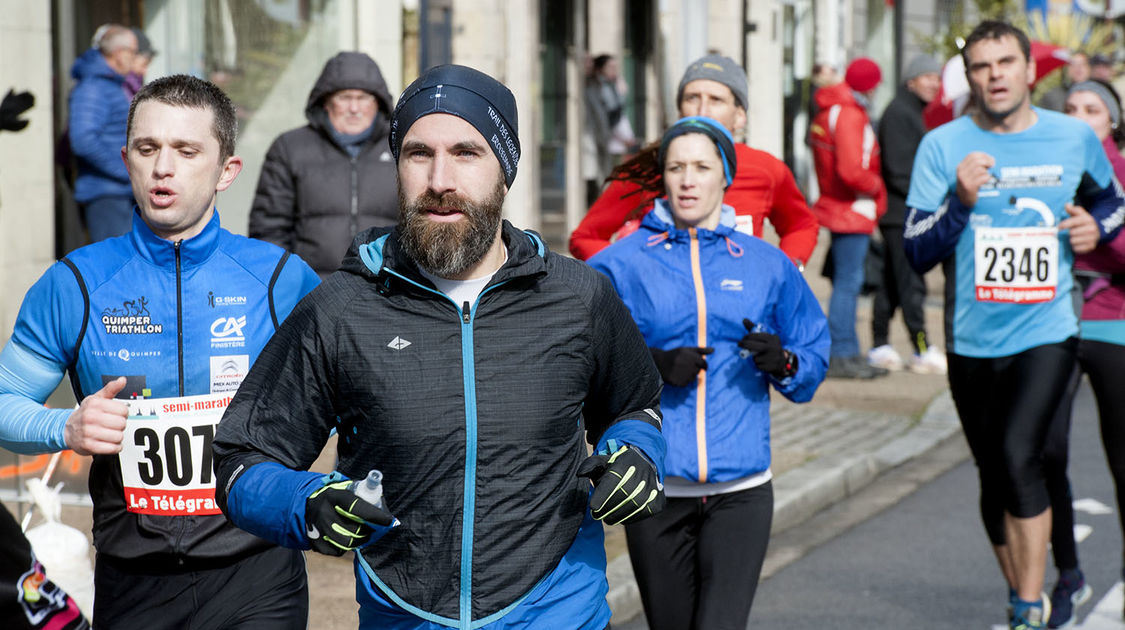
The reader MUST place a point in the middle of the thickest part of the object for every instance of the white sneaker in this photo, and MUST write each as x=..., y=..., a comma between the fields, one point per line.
x=932, y=361
x=884, y=357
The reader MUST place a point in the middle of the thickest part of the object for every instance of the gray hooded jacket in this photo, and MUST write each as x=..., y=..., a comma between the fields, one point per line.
x=313, y=197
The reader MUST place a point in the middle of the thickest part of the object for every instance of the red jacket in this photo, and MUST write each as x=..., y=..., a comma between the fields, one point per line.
x=846, y=153
x=763, y=188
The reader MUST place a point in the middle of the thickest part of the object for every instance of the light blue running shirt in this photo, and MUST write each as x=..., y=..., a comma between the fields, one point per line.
x=1012, y=280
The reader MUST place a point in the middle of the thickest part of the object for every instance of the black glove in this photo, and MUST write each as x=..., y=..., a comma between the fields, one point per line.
x=626, y=487
x=12, y=106
x=338, y=521
x=768, y=354
x=679, y=366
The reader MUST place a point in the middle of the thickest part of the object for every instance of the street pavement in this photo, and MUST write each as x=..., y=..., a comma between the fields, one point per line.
x=923, y=555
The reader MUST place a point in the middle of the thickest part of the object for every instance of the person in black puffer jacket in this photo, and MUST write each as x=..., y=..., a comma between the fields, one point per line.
x=323, y=183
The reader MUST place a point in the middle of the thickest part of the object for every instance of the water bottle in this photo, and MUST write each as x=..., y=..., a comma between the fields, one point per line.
x=371, y=489
x=743, y=352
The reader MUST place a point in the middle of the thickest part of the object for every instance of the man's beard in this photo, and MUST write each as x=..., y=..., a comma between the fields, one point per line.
x=447, y=250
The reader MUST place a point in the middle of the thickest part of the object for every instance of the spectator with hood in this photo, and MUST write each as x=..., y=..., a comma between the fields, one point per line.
x=323, y=183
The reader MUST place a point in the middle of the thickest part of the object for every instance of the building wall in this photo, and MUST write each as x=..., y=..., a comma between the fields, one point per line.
x=500, y=38
x=27, y=203
x=606, y=27
x=764, y=72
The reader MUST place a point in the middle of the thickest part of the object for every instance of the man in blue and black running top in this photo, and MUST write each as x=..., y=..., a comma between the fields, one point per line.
x=168, y=316
x=1006, y=197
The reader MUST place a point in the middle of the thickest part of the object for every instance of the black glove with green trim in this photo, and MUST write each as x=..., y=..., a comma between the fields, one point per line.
x=626, y=486
x=337, y=521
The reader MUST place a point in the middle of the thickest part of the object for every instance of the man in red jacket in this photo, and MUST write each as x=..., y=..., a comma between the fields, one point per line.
x=852, y=198
x=763, y=188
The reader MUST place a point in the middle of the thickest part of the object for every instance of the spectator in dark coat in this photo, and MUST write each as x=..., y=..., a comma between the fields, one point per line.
x=99, y=113
x=323, y=183
x=900, y=131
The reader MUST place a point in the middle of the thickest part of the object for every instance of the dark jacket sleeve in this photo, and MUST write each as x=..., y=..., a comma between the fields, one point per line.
x=276, y=426
x=623, y=401
x=898, y=140
x=1099, y=192
x=931, y=237
x=273, y=213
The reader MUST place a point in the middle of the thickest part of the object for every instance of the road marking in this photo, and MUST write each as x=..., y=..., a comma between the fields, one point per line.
x=1092, y=506
x=1082, y=532
x=1107, y=614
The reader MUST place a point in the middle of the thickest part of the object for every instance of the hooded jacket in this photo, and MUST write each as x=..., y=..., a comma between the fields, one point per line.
x=313, y=197
x=475, y=414
x=99, y=118
x=717, y=428
x=846, y=154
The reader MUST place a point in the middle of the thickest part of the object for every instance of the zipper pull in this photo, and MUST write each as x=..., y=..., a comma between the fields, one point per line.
x=465, y=312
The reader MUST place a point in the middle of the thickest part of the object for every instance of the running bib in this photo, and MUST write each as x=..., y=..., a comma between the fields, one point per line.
x=165, y=457
x=1016, y=265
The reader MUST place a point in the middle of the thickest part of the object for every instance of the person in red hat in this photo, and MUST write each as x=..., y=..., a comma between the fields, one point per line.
x=852, y=198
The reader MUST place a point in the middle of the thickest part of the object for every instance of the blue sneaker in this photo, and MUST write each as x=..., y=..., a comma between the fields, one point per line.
x=1030, y=615
x=1070, y=592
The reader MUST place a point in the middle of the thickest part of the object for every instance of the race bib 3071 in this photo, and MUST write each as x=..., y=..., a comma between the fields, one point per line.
x=165, y=457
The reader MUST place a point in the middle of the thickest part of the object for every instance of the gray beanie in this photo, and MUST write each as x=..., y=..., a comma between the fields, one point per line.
x=716, y=68
x=920, y=64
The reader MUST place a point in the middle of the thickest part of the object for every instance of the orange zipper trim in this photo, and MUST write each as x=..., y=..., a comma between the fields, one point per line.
x=701, y=341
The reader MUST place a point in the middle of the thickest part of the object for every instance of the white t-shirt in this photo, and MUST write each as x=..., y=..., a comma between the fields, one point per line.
x=462, y=291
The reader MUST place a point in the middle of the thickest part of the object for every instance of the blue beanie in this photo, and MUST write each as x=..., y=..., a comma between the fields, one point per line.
x=709, y=127
x=480, y=100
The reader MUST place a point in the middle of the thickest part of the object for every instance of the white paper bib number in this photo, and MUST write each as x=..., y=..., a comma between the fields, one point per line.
x=166, y=455
x=1016, y=265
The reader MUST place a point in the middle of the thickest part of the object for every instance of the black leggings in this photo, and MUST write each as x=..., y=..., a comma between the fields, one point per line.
x=1104, y=363
x=1006, y=405
x=697, y=562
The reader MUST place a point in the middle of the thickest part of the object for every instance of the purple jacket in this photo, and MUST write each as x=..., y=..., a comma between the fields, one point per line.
x=1105, y=299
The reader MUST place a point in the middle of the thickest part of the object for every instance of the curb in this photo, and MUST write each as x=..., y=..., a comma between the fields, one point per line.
x=804, y=491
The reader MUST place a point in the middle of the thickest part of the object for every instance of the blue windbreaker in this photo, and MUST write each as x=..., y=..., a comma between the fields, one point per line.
x=693, y=288
x=176, y=319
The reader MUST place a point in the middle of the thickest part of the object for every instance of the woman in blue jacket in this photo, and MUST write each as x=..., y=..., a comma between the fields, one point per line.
x=725, y=315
